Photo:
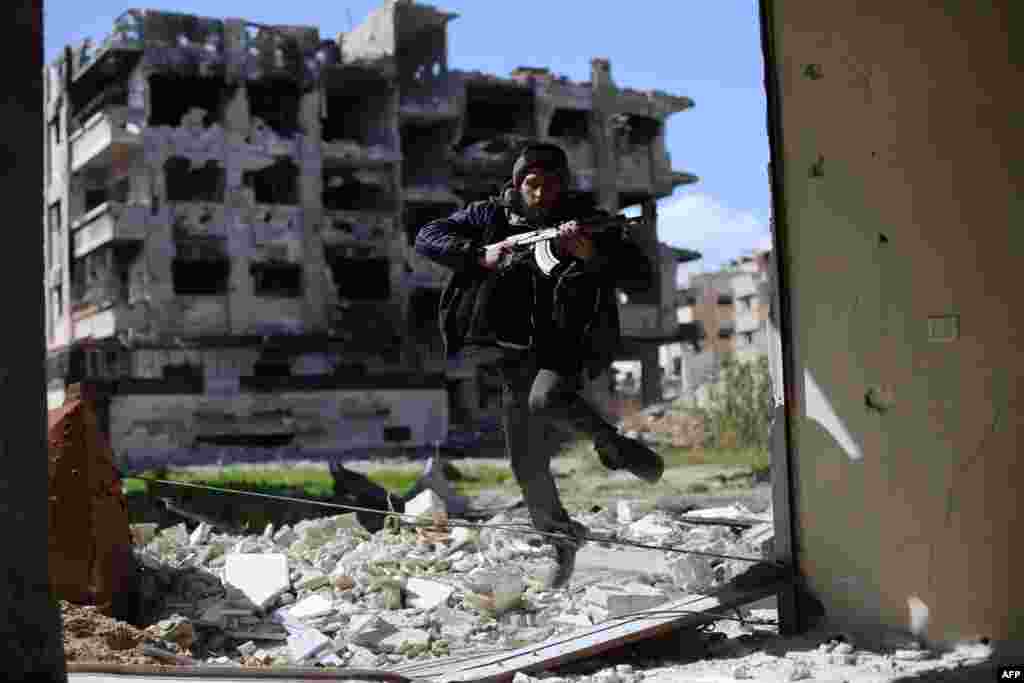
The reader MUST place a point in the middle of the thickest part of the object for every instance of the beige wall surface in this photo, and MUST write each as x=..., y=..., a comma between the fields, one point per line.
x=901, y=150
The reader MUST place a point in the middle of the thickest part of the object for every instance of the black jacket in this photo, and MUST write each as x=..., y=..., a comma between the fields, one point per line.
x=570, y=319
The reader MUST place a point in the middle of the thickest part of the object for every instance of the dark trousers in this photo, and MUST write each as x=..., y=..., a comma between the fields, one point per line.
x=533, y=398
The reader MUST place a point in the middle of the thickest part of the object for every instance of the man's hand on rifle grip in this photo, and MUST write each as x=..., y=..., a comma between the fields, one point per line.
x=491, y=257
x=574, y=239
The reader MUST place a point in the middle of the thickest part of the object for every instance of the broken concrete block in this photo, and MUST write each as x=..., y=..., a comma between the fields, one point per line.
x=626, y=512
x=312, y=607
x=655, y=525
x=311, y=580
x=425, y=504
x=911, y=655
x=618, y=601
x=259, y=632
x=403, y=638
x=199, y=534
x=692, y=573
x=424, y=594
x=306, y=643
x=465, y=564
x=177, y=534
x=460, y=537
x=259, y=578
x=368, y=630
x=579, y=620
x=761, y=539
x=247, y=648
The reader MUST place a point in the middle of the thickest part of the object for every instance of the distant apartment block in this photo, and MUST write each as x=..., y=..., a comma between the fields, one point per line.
x=731, y=308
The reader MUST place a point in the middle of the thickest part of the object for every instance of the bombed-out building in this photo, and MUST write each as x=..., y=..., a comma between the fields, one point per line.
x=231, y=209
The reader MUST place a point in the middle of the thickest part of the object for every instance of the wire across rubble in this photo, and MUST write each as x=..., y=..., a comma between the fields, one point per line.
x=451, y=523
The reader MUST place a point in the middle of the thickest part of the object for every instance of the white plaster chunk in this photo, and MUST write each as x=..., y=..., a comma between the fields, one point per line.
x=311, y=580
x=424, y=594
x=307, y=643
x=426, y=503
x=654, y=525
x=402, y=637
x=260, y=578
x=618, y=601
x=368, y=630
x=625, y=511
x=199, y=534
x=316, y=605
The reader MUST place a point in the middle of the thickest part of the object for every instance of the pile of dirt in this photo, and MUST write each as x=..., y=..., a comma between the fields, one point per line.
x=91, y=636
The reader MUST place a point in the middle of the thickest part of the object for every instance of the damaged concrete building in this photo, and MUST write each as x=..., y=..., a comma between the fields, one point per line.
x=231, y=209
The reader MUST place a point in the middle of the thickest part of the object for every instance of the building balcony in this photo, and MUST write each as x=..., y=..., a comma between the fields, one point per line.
x=432, y=194
x=110, y=137
x=352, y=153
x=108, y=223
x=428, y=108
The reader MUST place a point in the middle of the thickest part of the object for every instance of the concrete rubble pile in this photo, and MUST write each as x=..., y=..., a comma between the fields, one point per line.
x=328, y=591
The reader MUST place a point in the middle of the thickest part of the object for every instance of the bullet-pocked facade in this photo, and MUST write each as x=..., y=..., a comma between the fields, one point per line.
x=231, y=209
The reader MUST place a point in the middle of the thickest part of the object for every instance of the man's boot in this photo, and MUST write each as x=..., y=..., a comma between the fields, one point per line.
x=618, y=452
x=565, y=553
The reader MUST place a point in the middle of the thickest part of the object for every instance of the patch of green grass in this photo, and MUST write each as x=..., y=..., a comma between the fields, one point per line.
x=698, y=487
x=304, y=481
x=394, y=479
x=676, y=457
x=483, y=476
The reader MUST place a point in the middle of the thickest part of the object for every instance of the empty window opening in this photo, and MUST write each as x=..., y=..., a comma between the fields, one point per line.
x=182, y=371
x=246, y=440
x=203, y=183
x=572, y=124
x=272, y=367
x=421, y=59
x=172, y=97
x=55, y=254
x=275, y=184
x=276, y=102
x=359, y=279
x=492, y=111
x=103, y=85
x=417, y=215
x=344, y=191
x=96, y=280
x=200, y=267
x=276, y=279
x=113, y=95
x=362, y=118
x=426, y=154
x=636, y=130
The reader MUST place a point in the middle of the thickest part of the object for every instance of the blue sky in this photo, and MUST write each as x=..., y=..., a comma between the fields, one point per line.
x=709, y=51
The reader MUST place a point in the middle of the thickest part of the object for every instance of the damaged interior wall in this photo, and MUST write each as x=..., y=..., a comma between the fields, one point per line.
x=900, y=225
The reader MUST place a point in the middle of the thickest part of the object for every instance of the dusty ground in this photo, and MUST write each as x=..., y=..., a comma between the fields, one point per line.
x=90, y=636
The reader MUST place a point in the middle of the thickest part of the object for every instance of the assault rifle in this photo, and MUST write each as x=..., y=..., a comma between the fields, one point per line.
x=537, y=242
